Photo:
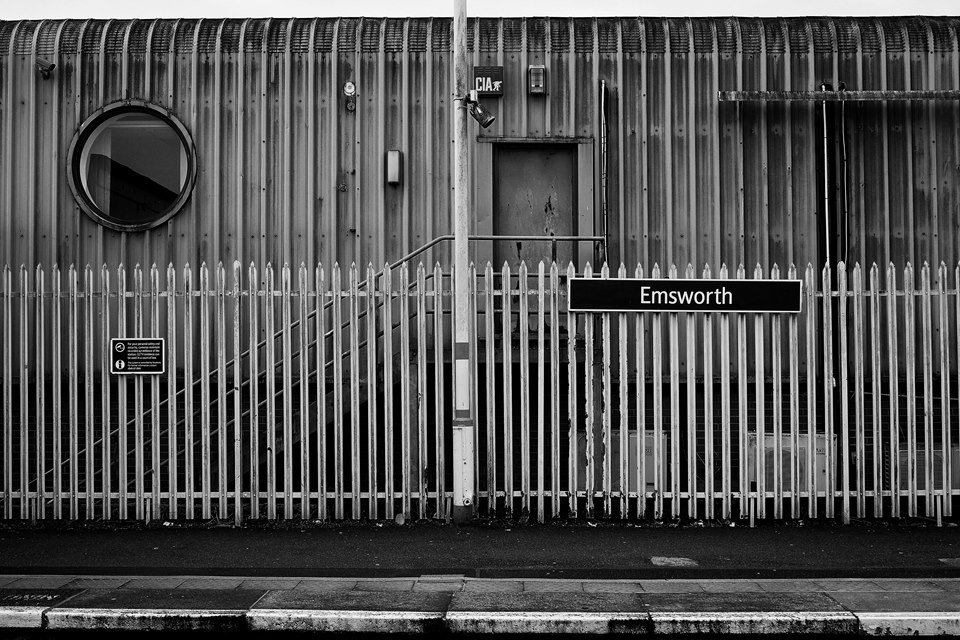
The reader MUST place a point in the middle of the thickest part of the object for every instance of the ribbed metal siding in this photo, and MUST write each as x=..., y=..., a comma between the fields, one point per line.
x=287, y=174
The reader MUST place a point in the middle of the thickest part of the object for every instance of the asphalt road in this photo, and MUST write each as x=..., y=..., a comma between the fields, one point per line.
x=581, y=550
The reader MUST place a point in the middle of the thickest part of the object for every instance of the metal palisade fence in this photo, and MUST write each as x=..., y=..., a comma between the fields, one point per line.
x=307, y=394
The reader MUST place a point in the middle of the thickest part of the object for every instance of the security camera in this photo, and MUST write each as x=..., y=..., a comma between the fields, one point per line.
x=477, y=110
x=45, y=68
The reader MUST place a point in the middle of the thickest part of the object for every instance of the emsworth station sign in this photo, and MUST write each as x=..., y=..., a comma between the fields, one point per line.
x=710, y=296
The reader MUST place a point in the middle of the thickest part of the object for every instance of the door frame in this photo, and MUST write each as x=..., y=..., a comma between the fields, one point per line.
x=483, y=193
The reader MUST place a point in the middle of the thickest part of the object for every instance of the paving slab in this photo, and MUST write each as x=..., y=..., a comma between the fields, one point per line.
x=792, y=586
x=194, y=599
x=409, y=601
x=553, y=585
x=948, y=585
x=97, y=583
x=154, y=582
x=909, y=585
x=848, y=585
x=266, y=584
x=384, y=585
x=730, y=586
x=670, y=586
x=891, y=601
x=210, y=583
x=39, y=582
x=495, y=586
x=325, y=584
x=438, y=585
x=611, y=586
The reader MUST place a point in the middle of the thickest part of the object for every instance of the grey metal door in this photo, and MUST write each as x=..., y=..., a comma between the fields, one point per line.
x=534, y=193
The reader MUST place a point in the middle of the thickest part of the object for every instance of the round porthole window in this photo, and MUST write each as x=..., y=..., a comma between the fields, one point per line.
x=132, y=166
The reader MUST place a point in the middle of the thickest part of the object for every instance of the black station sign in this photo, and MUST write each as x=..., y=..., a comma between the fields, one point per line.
x=137, y=356
x=708, y=296
x=488, y=81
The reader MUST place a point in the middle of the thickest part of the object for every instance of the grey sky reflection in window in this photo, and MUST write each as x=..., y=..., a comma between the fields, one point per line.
x=133, y=168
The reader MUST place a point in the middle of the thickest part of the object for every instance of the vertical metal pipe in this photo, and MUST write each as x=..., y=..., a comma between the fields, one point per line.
x=72, y=357
x=829, y=382
x=640, y=331
x=945, y=408
x=842, y=322
x=507, y=400
x=894, y=391
x=155, y=477
x=138, y=406
x=876, y=360
x=41, y=429
x=223, y=432
x=122, y=423
x=388, y=409
x=554, y=389
x=742, y=384
x=237, y=399
x=726, y=466
x=691, y=380
x=405, y=383
x=910, y=353
x=24, y=384
x=624, y=426
x=794, y=341
x=709, y=484
x=255, y=295
x=205, y=400
x=463, y=428
x=811, y=318
x=172, y=422
x=438, y=394
x=541, y=389
x=492, y=404
x=572, y=404
x=859, y=391
x=321, y=381
x=606, y=408
x=270, y=375
x=759, y=399
x=421, y=395
x=776, y=370
x=590, y=400
x=927, y=346
x=524, y=391
x=657, y=374
x=287, y=391
x=188, y=390
x=372, y=393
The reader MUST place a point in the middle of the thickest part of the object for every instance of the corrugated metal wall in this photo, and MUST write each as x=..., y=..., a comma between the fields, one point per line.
x=288, y=174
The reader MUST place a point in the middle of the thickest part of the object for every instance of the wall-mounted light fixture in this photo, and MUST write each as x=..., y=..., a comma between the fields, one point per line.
x=394, y=166
x=350, y=91
x=478, y=111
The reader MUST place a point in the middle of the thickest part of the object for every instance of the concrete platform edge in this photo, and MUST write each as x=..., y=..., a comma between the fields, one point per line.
x=353, y=621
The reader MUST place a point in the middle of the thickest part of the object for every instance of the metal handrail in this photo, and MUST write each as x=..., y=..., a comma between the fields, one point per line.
x=364, y=283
